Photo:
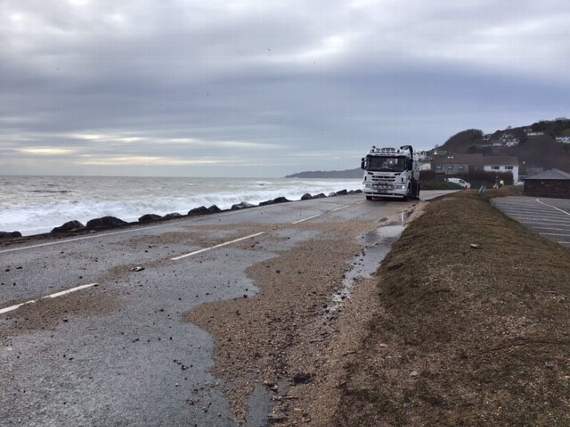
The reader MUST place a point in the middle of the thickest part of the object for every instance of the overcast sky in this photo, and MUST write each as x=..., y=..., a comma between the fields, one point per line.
x=265, y=88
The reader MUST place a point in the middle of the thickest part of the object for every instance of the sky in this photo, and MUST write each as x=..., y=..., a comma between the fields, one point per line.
x=264, y=88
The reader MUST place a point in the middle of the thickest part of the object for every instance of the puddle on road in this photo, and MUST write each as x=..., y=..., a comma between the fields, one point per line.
x=376, y=245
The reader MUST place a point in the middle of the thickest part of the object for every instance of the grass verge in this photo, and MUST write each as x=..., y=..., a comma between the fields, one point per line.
x=463, y=335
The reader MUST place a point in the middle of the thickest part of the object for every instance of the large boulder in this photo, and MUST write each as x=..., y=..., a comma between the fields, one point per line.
x=105, y=222
x=149, y=218
x=242, y=205
x=10, y=234
x=172, y=215
x=333, y=194
x=306, y=196
x=342, y=193
x=275, y=201
x=320, y=196
x=214, y=209
x=68, y=227
x=202, y=210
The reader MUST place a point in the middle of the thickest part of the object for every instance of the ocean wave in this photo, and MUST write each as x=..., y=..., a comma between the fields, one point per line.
x=129, y=199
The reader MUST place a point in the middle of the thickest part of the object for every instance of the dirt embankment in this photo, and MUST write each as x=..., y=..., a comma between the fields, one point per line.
x=279, y=337
x=469, y=325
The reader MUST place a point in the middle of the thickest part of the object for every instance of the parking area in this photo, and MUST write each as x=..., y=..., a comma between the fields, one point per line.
x=548, y=217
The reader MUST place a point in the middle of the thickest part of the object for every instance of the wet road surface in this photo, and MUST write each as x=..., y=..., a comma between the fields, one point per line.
x=110, y=347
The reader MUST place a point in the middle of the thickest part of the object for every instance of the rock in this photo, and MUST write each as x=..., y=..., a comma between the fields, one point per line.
x=306, y=196
x=342, y=193
x=358, y=191
x=149, y=218
x=137, y=268
x=275, y=201
x=320, y=196
x=474, y=246
x=202, y=210
x=104, y=223
x=332, y=194
x=214, y=209
x=69, y=226
x=302, y=378
x=242, y=205
x=10, y=234
x=414, y=374
x=172, y=215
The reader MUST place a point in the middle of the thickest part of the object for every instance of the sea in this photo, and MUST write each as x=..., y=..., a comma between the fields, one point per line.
x=36, y=204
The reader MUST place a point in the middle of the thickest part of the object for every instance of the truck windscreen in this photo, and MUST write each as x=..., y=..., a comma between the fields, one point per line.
x=386, y=164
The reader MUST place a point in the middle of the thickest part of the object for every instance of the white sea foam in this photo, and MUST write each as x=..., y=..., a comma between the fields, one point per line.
x=37, y=204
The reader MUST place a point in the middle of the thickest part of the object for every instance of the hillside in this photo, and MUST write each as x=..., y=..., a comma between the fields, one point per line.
x=347, y=173
x=534, y=145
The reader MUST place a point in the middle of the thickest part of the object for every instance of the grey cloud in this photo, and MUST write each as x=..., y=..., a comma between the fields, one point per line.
x=322, y=78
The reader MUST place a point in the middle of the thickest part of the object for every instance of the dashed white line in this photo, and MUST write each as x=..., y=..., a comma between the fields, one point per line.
x=76, y=239
x=57, y=294
x=299, y=221
x=306, y=219
x=199, y=251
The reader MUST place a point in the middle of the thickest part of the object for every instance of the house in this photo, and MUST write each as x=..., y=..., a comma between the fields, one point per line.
x=551, y=183
x=422, y=155
x=508, y=140
x=463, y=164
x=502, y=164
x=563, y=139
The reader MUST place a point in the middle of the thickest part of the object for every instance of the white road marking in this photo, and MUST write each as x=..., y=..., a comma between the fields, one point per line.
x=321, y=214
x=341, y=208
x=530, y=211
x=554, y=234
x=199, y=251
x=76, y=239
x=306, y=219
x=57, y=294
x=530, y=219
x=553, y=207
x=551, y=228
x=142, y=228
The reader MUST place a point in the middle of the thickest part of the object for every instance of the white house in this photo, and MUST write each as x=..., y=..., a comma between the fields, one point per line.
x=563, y=139
x=500, y=164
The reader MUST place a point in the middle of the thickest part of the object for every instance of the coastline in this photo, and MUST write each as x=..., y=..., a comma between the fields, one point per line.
x=76, y=228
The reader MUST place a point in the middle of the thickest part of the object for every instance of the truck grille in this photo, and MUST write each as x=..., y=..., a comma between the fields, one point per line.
x=387, y=179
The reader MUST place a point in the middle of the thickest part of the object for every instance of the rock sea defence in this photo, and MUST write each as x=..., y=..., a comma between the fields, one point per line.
x=111, y=222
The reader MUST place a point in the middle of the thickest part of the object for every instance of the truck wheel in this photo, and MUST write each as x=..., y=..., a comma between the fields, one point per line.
x=418, y=192
x=369, y=198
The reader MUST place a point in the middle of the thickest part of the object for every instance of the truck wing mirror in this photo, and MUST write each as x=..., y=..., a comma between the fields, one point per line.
x=362, y=163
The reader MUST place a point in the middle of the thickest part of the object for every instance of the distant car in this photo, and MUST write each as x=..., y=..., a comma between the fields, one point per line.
x=460, y=182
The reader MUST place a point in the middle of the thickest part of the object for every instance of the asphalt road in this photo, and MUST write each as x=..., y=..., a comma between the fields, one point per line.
x=103, y=344
x=548, y=217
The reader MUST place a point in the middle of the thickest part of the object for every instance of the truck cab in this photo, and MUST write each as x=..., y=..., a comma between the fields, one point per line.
x=391, y=172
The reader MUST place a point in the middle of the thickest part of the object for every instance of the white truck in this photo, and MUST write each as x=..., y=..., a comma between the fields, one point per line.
x=391, y=172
